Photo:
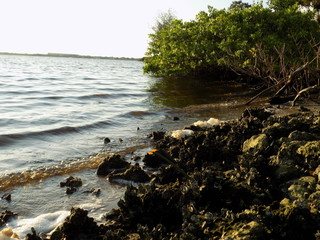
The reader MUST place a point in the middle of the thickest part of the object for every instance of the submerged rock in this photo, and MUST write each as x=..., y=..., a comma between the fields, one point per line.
x=72, y=184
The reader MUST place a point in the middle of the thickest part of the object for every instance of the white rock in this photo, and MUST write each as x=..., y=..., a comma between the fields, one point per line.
x=206, y=124
x=178, y=134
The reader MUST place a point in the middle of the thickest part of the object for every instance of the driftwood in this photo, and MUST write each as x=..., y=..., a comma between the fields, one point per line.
x=305, y=90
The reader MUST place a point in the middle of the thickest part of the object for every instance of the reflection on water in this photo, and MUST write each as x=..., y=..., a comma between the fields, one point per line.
x=183, y=92
x=200, y=98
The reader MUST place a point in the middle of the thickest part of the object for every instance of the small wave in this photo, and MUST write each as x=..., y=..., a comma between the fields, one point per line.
x=22, y=178
x=99, y=95
x=8, y=139
x=137, y=114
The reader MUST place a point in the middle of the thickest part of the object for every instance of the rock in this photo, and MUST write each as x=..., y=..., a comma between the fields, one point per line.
x=95, y=191
x=32, y=236
x=77, y=226
x=310, y=151
x=133, y=173
x=106, y=140
x=71, y=182
x=288, y=152
x=135, y=158
x=302, y=136
x=277, y=130
x=71, y=190
x=111, y=163
x=6, y=197
x=286, y=172
x=153, y=161
x=256, y=144
x=6, y=216
x=157, y=136
x=302, y=188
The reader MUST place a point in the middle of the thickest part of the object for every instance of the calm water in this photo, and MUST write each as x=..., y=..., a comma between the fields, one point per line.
x=53, y=109
x=56, y=112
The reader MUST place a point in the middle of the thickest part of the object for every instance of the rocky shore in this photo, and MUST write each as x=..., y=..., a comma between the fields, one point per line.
x=257, y=177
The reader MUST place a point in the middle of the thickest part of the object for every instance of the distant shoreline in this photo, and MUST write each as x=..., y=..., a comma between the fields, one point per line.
x=69, y=56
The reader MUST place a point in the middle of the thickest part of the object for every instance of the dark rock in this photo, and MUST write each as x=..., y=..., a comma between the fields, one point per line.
x=176, y=119
x=32, y=236
x=71, y=182
x=71, y=190
x=6, y=197
x=253, y=178
x=6, y=216
x=106, y=140
x=94, y=191
x=259, y=113
x=153, y=161
x=133, y=173
x=77, y=226
x=135, y=158
x=111, y=163
x=157, y=136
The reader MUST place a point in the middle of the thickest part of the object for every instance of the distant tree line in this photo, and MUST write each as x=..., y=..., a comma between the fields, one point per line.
x=278, y=45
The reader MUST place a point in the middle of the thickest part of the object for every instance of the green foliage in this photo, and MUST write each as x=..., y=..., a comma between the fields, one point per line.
x=239, y=4
x=255, y=39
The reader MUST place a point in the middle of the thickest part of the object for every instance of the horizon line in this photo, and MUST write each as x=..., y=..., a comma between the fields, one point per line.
x=70, y=55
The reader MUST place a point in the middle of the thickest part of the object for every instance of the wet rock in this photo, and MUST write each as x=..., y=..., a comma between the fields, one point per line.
x=33, y=235
x=133, y=173
x=135, y=158
x=77, y=226
x=94, y=191
x=6, y=197
x=71, y=190
x=106, y=140
x=111, y=163
x=71, y=182
x=7, y=216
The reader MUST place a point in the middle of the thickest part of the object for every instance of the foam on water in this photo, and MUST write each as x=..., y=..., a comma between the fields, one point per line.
x=44, y=223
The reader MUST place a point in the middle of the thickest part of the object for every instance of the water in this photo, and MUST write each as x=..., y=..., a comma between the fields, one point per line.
x=56, y=112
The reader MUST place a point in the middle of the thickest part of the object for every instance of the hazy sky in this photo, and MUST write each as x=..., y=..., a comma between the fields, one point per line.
x=89, y=27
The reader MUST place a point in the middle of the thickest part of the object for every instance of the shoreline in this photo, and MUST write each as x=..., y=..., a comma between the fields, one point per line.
x=235, y=169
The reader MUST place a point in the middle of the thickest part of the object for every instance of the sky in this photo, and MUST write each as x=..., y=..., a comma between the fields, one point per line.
x=117, y=28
